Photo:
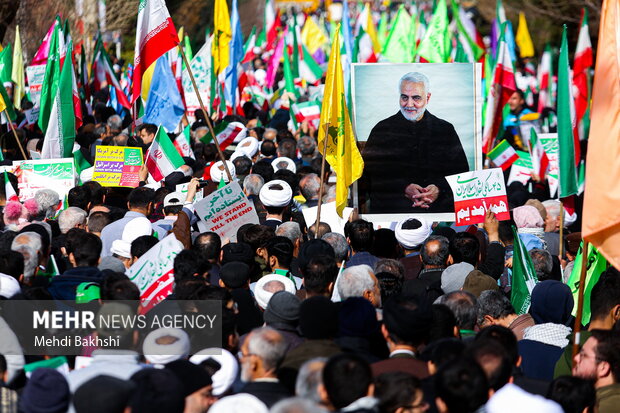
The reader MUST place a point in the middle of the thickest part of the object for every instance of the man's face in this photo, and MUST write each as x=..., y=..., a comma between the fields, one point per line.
x=200, y=400
x=585, y=361
x=376, y=301
x=246, y=362
x=146, y=137
x=515, y=102
x=413, y=100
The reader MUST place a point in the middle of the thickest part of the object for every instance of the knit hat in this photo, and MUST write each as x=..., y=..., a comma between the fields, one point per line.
x=552, y=302
x=416, y=233
x=218, y=172
x=226, y=375
x=453, y=277
x=103, y=394
x=47, y=391
x=476, y=282
x=237, y=252
x=87, y=292
x=112, y=264
x=235, y=274
x=283, y=308
x=192, y=377
x=239, y=403
x=357, y=318
x=9, y=286
x=165, y=345
x=283, y=163
x=409, y=325
x=157, y=390
x=276, y=193
x=318, y=318
x=248, y=146
x=527, y=216
x=270, y=282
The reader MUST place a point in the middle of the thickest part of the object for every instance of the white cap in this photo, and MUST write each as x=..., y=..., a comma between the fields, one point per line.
x=239, y=403
x=244, y=132
x=276, y=193
x=218, y=171
x=160, y=354
x=9, y=286
x=411, y=238
x=229, y=368
x=283, y=163
x=248, y=146
x=174, y=199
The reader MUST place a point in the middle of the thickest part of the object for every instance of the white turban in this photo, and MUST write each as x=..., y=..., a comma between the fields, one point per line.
x=218, y=171
x=239, y=403
x=135, y=228
x=9, y=286
x=160, y=354
x=271, y=196
x=283, y=163
x=263, y=296
x=248, y=146
x=229, y=368
x=412, y=238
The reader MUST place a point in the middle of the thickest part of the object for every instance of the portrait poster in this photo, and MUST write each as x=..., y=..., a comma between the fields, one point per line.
x=117, y=166
x=409, y=147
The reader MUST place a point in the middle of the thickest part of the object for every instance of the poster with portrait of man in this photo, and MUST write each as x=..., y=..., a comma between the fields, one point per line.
x=416, y=123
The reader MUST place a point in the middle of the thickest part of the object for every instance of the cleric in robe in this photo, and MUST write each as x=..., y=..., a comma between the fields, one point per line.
x=408, y=155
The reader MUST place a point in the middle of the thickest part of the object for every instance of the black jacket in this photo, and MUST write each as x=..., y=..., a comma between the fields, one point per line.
x=400, y=152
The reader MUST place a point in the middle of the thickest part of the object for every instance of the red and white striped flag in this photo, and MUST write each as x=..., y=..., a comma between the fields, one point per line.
x=162, y=158
x=540, y=161
x=310, y=111
x=503, y=155
x=502, y=87
x=226, y=134
x=155, y=35
x=545, y=80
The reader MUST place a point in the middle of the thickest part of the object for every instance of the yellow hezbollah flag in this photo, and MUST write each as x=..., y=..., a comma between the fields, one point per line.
x=222, y=33
x=17, y=75
x=2, y=104
x=342, y=153
x=371, y=30
x=312, y=35
x=523, y=39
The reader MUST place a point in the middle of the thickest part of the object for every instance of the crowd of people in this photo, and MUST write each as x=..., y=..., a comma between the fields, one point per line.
x=415, y=319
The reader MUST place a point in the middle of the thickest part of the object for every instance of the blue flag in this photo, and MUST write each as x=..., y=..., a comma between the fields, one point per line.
x=236, y=54
x=164, y=105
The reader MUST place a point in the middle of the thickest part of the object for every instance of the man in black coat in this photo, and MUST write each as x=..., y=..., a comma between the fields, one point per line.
x=408, y=155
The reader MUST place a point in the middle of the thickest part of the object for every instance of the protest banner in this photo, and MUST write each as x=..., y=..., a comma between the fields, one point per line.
x=225, y=210
x=521, y=170
x=201, y=68
x=35, y=75
x=153, y=272
x=476, y=192
x=56, y=174
x=117, y=166
x=182, y=188
x=398, y=149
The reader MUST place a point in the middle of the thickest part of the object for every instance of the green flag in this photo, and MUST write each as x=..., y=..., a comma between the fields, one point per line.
x=382, y=29
x=51, y=79
x=595, y=266
x=523, y=276
x=399, y=45
x=435, y=47
x=6, y=63
x=566, y=117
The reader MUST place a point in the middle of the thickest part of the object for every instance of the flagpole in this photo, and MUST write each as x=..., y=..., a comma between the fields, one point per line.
x=561, y=246
x=206, y=115
x=582, y=281
x=318, y=210
x=21, y=148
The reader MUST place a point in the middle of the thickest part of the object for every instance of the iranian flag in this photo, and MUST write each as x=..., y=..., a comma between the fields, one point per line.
x=271, y=23
x=540, y=161
x=363, y=51
x=103, y=74
x=581, y=86
x=182, y=144
x=545, y=80
x=60, y=132
x=524, y=277
x=310, y=111
x=503, y=85
x=162, y=158
x=9, y=191
x=248, y=47
x=309, y=69
x=503, y=155
x=225, y=134
x=155, y=35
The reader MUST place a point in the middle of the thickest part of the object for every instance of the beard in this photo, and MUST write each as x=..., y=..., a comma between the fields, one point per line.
x=413, y=116
x=246, y=374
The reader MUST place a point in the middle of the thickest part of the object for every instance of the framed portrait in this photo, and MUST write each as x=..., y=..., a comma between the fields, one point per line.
x=416, y=124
